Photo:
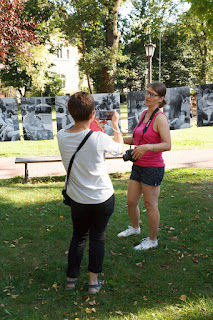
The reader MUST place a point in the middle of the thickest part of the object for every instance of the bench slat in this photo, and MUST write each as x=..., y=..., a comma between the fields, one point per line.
x=37, y=159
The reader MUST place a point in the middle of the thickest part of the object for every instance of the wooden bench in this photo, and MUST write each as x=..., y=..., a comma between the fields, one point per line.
x=40, y=159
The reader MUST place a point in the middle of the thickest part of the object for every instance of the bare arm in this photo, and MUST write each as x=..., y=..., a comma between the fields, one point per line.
x=129, y=140
x=117, y=134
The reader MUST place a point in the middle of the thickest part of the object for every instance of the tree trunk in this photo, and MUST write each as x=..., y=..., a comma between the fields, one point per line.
x=112, y=40
x=83, y=53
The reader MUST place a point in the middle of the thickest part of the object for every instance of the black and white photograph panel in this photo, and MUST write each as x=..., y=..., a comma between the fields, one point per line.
x=135, y=107
x=178, y=107
x=204, y=97
x=63, y=117
x=9, y=125
x=105, y=104
x=37, y=118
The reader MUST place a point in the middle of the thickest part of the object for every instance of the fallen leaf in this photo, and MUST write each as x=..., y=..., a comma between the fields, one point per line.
x=173, y=238
x=145, y=298
x=55, y=286
x=88, y=310
x=14, y=296
x=183, y=297
x=119, y=312
x=92, y=303
x=12, y=246
x=139, y=264
x=165, y=266
x=61, y=217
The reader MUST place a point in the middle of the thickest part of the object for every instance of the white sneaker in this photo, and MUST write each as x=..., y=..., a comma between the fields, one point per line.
x=146, y=244
x=129, y=232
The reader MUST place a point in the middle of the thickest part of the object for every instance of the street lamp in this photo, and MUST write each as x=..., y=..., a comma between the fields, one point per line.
x=150, y=49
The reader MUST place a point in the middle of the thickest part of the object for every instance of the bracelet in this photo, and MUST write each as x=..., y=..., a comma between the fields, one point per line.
x=153, y=148
x=117, y=131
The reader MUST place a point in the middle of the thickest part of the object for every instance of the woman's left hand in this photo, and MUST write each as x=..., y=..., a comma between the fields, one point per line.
x=139, y=151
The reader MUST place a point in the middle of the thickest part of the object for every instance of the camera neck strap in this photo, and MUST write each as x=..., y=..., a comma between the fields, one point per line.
x=73, y=157
x=147, y=124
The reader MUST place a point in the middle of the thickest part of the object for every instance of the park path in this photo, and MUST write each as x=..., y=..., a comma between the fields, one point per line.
x=173, y=159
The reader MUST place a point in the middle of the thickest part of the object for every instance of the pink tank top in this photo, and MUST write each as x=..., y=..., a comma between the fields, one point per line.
x=149, y=159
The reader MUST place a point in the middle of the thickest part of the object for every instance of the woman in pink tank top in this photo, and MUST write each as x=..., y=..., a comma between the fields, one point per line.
x=151, y=137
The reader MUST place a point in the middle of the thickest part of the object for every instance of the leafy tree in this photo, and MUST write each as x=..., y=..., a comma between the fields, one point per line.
x=203, y=9
x=185, y=47
x=36, y=65
x=14, y=74
x=199, y=47
x=15, y=30
x=92, y=26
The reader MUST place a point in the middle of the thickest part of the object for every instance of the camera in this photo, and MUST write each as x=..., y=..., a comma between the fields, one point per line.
x=127, y=156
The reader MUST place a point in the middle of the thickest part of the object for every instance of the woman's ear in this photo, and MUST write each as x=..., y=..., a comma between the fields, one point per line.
x=92, y=114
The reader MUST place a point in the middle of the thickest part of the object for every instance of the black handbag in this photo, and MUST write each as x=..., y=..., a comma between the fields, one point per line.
x=66, y=198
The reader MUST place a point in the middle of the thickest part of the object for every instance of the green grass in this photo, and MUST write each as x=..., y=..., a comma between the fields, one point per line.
x=172, y=282
x=192, y=138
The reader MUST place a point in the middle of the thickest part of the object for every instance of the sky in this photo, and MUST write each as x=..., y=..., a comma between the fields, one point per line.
x=127, y=6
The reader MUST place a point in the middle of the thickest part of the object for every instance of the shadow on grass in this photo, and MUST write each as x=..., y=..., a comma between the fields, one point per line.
x=170, y=282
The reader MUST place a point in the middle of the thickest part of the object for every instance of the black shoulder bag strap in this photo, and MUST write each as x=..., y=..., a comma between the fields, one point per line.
x=73, y=157
x=147, y=125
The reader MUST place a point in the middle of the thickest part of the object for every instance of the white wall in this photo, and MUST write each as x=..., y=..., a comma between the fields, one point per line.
x=66, y=65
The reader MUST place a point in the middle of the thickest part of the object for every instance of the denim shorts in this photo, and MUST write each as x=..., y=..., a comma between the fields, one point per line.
x=151, y=176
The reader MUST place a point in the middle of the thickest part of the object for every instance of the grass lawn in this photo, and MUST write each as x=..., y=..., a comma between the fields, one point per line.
x=171, y=282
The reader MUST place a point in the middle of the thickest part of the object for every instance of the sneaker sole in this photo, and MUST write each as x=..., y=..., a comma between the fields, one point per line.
x=143, y=249
x=134, y=234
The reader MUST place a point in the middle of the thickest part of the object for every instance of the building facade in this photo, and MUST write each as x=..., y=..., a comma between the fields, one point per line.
x=66, y=65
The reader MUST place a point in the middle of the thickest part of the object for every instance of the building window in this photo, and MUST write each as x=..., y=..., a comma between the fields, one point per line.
x=59, y=51
x=63, y=78
x=68, y=53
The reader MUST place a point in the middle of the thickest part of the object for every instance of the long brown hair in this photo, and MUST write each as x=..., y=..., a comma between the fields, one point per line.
x=160, y=88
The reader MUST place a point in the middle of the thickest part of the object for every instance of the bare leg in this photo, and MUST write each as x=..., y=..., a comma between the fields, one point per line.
x=133, y=198
x=93, y=278
x=150, y=197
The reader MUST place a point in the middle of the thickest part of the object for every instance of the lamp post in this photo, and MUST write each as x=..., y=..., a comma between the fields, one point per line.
x=150, y=49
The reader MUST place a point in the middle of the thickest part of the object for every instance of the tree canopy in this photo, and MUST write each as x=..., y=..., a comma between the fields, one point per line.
x=111, y=47
x=15, y=29
x=204, y=10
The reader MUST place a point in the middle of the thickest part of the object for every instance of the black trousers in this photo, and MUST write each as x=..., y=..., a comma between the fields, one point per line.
x=89, y=220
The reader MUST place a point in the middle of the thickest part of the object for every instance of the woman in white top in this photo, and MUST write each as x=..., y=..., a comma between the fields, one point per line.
x=89, y=187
